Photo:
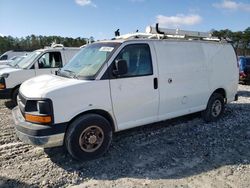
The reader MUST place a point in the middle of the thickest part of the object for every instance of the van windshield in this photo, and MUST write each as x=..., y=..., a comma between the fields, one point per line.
x=16, y=61
x=27, y=61
x=86, y=63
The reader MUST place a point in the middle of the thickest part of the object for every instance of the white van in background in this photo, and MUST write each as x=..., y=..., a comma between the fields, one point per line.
x=134, y=80
x=42, y=61
x=13, y=63
x=11, y=55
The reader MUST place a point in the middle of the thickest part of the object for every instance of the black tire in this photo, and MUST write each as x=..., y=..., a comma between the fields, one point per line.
x=215, y=108
x=14, y=96
x=90, y=130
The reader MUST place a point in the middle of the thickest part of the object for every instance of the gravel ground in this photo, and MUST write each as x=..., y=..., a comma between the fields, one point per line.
x=182, y=152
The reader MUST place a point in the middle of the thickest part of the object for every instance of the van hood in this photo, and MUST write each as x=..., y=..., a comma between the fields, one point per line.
x=41, y=86
x=4, y=66
x=8, y=70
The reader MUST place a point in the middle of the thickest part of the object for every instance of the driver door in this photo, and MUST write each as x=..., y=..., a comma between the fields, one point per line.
x=49, y=63
x=135, y=97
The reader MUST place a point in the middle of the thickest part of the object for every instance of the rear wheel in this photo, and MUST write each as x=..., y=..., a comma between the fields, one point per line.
x=215, y=108
x=88, y=137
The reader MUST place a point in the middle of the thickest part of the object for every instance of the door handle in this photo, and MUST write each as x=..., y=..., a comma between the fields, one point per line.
x=155, y=83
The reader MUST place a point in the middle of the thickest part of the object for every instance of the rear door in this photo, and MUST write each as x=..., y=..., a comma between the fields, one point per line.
x=49, y=63
x=135, y=95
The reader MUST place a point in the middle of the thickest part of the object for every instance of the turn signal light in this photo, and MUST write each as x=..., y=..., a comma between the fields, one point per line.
x=2, y=86
x=38, y=119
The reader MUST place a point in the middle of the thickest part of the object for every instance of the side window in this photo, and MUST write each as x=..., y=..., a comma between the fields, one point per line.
x=4, y=57
x=138, y=59
x=50, y=60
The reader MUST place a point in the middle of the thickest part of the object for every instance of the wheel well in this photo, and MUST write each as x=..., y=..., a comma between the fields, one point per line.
x=222, y=92
x=14, y=89
x=102, y=113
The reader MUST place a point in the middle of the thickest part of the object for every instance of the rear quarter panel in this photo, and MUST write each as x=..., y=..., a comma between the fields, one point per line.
x=222, y=67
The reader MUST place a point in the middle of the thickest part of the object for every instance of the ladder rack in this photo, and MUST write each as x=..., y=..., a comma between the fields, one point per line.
x=164, y=33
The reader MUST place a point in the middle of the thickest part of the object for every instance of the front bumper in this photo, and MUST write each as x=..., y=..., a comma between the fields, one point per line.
x=5, y=93
x=40, y=135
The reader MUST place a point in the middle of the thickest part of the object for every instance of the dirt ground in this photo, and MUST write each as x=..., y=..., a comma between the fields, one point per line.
x=180, y=153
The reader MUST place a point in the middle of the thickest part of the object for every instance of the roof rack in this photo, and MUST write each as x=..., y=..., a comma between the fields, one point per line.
x=164, y=33
x=137, y=35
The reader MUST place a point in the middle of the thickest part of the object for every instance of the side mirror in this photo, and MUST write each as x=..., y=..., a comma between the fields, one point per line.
x=120, y=68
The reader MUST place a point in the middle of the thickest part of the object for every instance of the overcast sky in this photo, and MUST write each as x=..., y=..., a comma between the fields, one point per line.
x=100, y=18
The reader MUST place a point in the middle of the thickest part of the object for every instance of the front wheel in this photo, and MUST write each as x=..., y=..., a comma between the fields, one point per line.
x=215, y=108
x=88, y=137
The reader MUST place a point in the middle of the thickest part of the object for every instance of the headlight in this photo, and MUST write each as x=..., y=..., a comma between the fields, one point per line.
x=43, y=107
x=2, y=83
x=40, y=111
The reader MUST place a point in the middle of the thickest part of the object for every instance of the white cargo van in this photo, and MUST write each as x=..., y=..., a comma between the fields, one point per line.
x=11, y=55
x=114, y=85
x=12, y=63
x=43, y=61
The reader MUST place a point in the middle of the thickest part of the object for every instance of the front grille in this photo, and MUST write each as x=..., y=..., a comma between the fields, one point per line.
x=22, y=98
x=21, y=102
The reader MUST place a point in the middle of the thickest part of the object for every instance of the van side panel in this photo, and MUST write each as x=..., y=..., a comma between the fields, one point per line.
x=18, y=77
x=222, y=68
x=183, y=78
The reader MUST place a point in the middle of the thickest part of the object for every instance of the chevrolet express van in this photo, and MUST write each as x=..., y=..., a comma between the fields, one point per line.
x=131, y=81
x=43, y=61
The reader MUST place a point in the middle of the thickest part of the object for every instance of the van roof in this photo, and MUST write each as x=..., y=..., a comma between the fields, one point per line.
x=51, y=49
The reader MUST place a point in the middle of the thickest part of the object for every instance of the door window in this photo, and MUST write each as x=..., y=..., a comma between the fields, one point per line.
x=4, y=57
x=138, y=60
x=50, y=60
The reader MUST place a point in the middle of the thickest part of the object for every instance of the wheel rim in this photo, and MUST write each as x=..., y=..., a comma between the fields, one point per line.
x=216, y=108
x=91, y=138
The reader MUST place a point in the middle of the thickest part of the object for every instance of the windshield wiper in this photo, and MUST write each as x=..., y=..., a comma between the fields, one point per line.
x=72, y=74
x=69, y=71
x=17, y=66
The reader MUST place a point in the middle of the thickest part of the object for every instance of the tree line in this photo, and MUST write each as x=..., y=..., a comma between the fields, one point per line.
x=239, y=39
x=33, y=42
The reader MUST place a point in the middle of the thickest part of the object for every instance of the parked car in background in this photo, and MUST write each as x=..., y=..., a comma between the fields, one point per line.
x=13, y=63
x=244, y=68
x=42, y=61
x=11, y=54
x=4, y=62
